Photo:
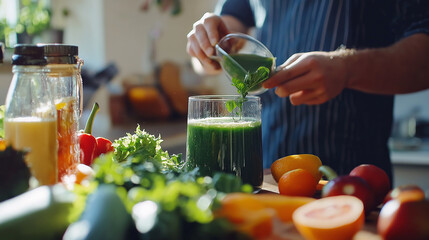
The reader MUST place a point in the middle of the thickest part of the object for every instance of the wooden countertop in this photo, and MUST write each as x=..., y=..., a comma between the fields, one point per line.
x=369, y=231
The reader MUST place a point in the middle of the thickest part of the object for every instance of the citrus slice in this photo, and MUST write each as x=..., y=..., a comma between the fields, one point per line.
x=248, y=214
x=60, y=105
x=283, y=205
x=338, y=217
x=236, y=207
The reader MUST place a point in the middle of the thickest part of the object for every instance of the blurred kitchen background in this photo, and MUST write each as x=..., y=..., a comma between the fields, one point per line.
x=137, y=69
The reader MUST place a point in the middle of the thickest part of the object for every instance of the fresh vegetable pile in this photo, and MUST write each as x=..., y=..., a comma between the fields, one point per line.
x=154, y=189
x=138, y=191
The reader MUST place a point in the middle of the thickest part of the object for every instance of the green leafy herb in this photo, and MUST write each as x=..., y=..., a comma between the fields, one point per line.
x=145, y=147
x=231, y=105
x=243, y=86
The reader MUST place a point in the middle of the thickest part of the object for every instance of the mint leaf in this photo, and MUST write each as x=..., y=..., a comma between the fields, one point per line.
x=231, y=105
x=253, y=79
x=243, y=87
x=240, y=85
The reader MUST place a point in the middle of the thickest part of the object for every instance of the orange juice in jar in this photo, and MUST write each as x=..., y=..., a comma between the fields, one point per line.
x=66, y=87
x=68, y=144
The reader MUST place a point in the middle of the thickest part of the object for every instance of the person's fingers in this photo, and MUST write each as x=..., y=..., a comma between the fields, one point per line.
x=285, y=91
x=286, y=74
x=192, y=41
x=203, y=39
x=194, y=48
x=314, y=101
x=308, y=96
x=206, y=62
x=196, y=51
x=208, y=31
x=215, y=29
x=307, y=81
x=200, y=44
x=222, y=31
x=189, y=49
x=290, y=60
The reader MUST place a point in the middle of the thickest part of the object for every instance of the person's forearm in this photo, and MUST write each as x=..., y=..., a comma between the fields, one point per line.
x=400, y=68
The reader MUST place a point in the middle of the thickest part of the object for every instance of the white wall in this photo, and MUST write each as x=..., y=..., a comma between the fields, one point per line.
x=83, y=27
x=129, y=30
x=119, y=31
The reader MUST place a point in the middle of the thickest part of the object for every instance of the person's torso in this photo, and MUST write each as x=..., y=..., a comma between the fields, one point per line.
x=353, y=125
x=292, y=26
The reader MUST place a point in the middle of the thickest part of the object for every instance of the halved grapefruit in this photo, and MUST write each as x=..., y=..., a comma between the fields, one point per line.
x=338, y=217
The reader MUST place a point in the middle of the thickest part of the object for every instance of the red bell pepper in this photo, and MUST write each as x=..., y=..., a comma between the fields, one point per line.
x=91, y=147
x=104, y=145
x=87, y=142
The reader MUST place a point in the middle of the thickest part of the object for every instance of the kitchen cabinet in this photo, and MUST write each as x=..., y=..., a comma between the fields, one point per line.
x=411, y=167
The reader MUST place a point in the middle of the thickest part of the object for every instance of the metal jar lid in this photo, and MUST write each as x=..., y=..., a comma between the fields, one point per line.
x=60, y=53
x=28, y=54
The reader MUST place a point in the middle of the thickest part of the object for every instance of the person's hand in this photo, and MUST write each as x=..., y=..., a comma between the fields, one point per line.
x=311, y=78
x=204, y=35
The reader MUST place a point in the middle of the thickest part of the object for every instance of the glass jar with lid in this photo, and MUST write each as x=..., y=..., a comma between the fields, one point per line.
x=30, y=115
x=63, y=74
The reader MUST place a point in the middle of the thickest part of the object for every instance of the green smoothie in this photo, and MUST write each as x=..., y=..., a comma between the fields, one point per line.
x=227, y=145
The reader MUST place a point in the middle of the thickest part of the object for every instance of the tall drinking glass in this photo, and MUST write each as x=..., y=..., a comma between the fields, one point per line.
x=223, y=141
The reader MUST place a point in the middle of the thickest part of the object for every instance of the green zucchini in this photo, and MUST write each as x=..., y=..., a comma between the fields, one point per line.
x=104, y=217
x=41, y=213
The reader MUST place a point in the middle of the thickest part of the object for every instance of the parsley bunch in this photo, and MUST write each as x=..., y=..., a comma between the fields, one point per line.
x=145, y=147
